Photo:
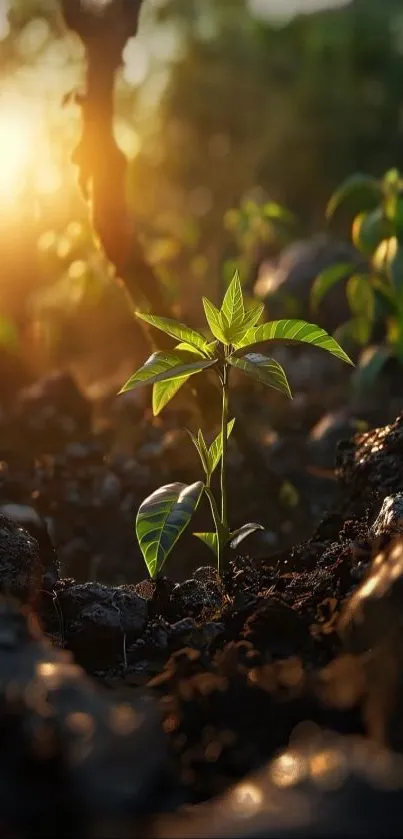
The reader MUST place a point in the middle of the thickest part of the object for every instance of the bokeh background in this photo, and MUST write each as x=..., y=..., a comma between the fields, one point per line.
x=221, y=107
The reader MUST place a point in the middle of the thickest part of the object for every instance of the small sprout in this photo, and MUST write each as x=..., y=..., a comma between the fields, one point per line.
x=237, y=342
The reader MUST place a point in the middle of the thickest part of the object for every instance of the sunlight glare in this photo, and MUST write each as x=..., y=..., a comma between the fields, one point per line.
x=136, y=62
x=15, y=148
x=48, y=179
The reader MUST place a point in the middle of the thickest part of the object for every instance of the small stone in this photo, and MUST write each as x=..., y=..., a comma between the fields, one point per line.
x=390, y=517
x=205, y=574
x=20, y=564
x=96, y=619
x=194, y=599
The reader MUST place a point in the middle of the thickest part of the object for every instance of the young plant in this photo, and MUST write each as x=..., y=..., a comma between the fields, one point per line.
x=235, y=342
x=374, y=286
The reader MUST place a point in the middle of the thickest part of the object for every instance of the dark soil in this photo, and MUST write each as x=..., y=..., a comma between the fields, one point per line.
x=235, y=665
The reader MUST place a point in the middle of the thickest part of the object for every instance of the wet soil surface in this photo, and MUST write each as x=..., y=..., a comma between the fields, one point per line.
x=251, y=667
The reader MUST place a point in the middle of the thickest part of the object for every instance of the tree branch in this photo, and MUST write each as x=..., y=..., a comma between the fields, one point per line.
x=102, y=167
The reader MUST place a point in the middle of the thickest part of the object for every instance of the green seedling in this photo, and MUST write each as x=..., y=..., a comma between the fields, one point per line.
x=374, y=282
x=235, y=342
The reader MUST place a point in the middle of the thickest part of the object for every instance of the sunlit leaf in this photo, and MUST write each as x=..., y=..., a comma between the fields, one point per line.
x=209, y=539
x=163, y=392
x=193, y=438
x=233, y=307
x=204, y=455
x=215, y=321
x=391, y=179
x=215, y=450
x=265, y=370
x=250, y=319
x=162, y=518
x=185, y=347
x=327, y=279
x=276, y=212
x=162, y=366
x=369, y=229
x=290, y=331
x=201, y=448
x=238, y=536
x=253, y=315
x=367, y=187
x=175, y=330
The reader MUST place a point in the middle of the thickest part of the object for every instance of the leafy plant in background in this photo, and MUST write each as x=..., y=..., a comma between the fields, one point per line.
x=374, y=284
x=235, y=342
x=255, y=226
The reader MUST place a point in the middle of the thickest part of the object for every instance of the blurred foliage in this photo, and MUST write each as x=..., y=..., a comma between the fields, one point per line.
x=224, y=113
x=374, y=286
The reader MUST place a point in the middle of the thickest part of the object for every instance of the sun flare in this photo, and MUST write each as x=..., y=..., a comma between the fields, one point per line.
x=15, y=150
x=26, y=161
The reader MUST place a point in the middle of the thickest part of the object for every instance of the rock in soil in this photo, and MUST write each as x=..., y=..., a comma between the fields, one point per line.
x=72, y=761
x=21, y=569
x=390, y=517
x=100, y=621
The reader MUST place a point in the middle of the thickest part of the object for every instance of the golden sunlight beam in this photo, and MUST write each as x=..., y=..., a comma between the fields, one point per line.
x=26, y=160
x=16, y=139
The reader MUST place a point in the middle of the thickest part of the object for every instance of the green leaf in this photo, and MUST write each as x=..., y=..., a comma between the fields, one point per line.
x=185, y=347
x=163, y=392
x=369, y=230
x=238, y=536
x=349, y=332
x=215, y=321
x=203, y=450
x=209, y=539
x=391, y=179
x=292, y=331
x=162, y=366
x=394, y=210
x=162, y=518
x=250, y=319
x=265, y=370
x=275, y=212
x=327, y=279
x=252, y=315
x=362, y=303
x=194, y=440
x=176, y=330
x=395, y=271
x=233, y=309
x=370, y=365
x=215, y=450
x=366, y=186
